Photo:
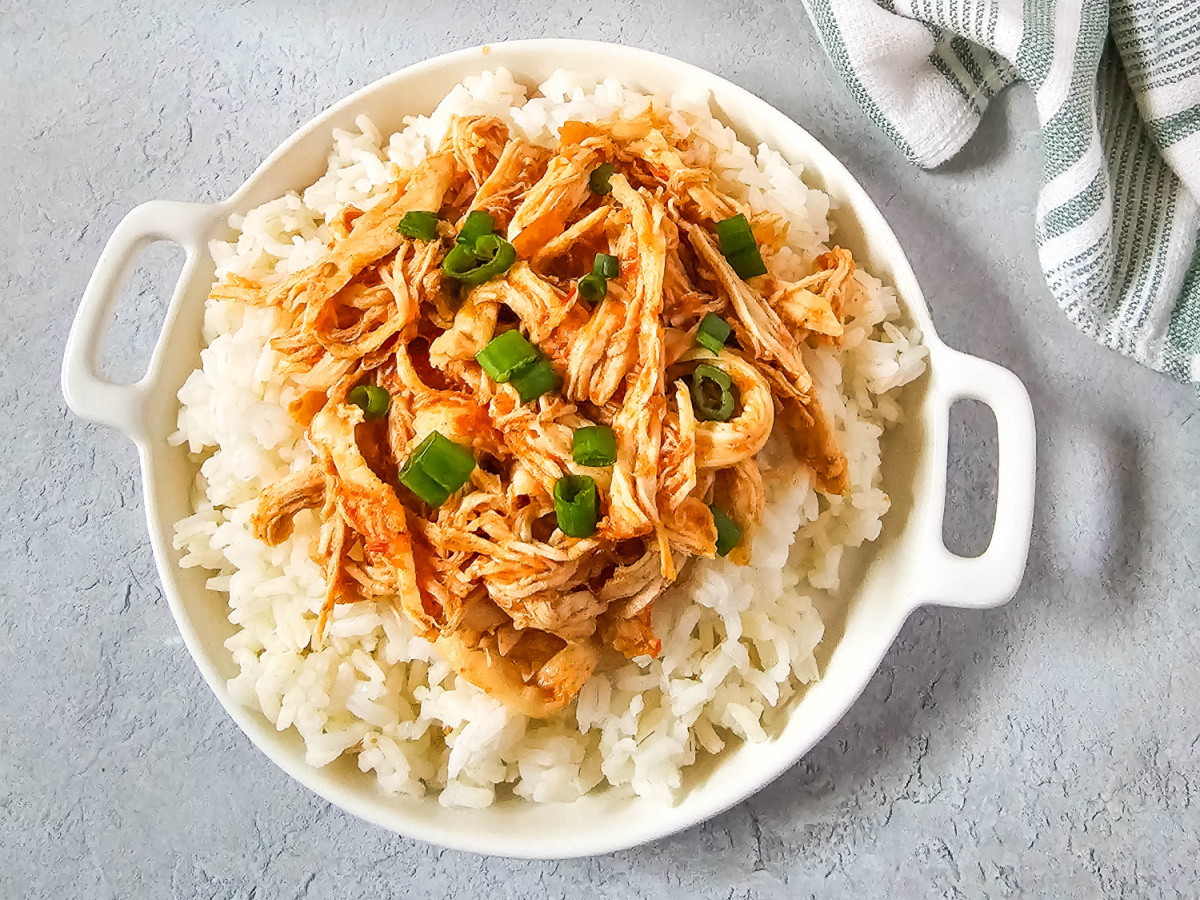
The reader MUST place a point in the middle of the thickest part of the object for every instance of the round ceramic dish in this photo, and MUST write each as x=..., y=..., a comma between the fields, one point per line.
x=908, y=566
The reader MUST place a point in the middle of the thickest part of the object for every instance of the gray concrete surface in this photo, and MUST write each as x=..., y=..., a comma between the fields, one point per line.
x=1048, y=748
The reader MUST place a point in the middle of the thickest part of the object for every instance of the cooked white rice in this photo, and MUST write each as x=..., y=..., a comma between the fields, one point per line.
x=737, y=643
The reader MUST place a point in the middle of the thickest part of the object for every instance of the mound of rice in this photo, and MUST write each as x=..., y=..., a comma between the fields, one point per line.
x=737, y=643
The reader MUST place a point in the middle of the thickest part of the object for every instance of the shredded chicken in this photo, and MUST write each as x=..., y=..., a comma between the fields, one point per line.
x=519, y=608
x=272, y=520
x=814, y=304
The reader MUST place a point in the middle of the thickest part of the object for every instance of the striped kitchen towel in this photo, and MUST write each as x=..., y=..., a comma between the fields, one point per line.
x=1118, y=97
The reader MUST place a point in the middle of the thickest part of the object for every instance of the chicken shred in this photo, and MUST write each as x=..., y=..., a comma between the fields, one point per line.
x=303, y=489
x=517, y=607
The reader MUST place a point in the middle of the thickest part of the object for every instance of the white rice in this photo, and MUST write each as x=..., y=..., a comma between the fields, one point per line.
x=737, y=642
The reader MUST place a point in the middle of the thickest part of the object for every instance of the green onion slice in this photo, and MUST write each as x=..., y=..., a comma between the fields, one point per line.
x=494, y=251
x=598, y=180
x=594, y=445
x=509, y=357
x=713, y=332
x=478, y=224
x=374, y=401
x=420, y=225
x=505, y=354
x=607, y=266
x=491, y=255
x=713, y=394
x=534, y=379
x=728, y=533
x=748, y=263
x=739, y=247
x=593, y=287
x=735, y=235
x=459, y=262
x=437, y=468
x=576, y=505
x=423, y=485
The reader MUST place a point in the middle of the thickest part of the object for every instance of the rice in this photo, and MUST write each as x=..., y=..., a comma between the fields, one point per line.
x=737, y=643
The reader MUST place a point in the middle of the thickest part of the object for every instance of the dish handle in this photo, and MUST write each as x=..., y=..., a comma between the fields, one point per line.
x=88, y=393
x=991, y=578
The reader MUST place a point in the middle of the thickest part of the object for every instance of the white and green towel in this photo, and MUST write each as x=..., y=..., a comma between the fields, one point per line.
x=1118, y=97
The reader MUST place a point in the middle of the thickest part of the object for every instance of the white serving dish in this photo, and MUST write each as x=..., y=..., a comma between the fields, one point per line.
x=907, y=567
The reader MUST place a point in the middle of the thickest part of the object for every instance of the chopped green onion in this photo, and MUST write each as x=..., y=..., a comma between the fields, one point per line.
x=713, y=332
x=576, y=503
x=728, y=533
x=459, y=261
x=419, y=225
x=739, y=247
x=505, y=354
x=423, y=485
x=598, y=180
x=437, y=468
x=606, y=265
x=713, y=394
x=735, y=234
x=534, y=379
x=594, y=445
x=748, y=263
x=493, y=250
x=478, y=224
x=509, y=357
x=447, y=463
x=593, y=287
x=374, y=401
x=491, y=255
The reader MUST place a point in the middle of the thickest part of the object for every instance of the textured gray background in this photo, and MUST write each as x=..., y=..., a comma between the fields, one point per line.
x=1046, y=748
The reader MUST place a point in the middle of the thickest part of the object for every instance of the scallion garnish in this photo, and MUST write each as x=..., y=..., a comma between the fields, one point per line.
x=459, y=261
x=593, y=287
x=713, y=393
x=598, y=180
x=505, y=354
x=607, y=265
x=576, y=505
x=509, y=357
x=739, y=247
x=728, y=533
x=535, y=379
x=495, y=253
x=477, y=224
x=422, y=484
x=713, y=332
x=420, y=225
x=437, y=468
x=594, y=445
x=374, y=401
x=491, y=255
